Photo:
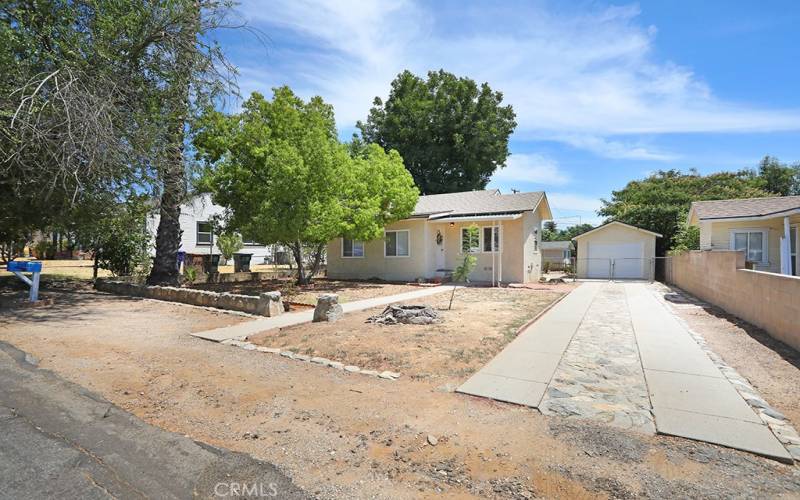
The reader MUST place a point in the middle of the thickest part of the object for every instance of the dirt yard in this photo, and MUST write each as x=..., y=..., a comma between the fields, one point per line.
x=481, y=322
x=340, y=435
x=81, y=269
x=348, y=291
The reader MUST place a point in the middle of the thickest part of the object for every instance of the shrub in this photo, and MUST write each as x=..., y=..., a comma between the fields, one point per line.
x=229, y=244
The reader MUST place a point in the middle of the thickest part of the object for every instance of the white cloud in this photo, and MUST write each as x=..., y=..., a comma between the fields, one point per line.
x=580, y=78
x=532, y=169
x=572, y=201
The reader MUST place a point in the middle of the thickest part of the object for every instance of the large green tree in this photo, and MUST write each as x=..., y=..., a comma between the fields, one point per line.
x=779, y=178
x=284, y=177
x=661, y=201
x=95, y=97
x=451, y=133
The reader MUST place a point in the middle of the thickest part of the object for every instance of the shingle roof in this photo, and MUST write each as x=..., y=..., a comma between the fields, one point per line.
x=745, y=207
x=489, y=201
x=556, y=245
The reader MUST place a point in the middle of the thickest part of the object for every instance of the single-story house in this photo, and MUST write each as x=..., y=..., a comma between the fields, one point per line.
x=616, y=251
x=198, y=235
x=502, y=230
x=556, y=254
x=766, y=229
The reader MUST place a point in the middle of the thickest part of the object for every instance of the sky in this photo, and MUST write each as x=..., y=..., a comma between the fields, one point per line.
x=604, y=93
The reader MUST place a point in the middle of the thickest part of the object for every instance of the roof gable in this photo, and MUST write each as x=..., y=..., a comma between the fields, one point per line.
x=616, y=223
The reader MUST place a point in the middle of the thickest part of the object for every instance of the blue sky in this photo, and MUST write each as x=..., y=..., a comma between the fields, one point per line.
x=604, y=93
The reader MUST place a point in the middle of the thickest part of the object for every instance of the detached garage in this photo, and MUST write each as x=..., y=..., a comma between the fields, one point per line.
x=616, y=251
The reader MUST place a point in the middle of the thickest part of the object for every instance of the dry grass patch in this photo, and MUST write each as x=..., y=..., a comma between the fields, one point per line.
x=481, y=323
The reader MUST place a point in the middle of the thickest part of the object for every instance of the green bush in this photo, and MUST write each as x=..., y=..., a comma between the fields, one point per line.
x=229, y=244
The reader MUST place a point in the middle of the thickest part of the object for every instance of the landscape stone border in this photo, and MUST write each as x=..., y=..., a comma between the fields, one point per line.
x=772, y=418
x=266, y=304
x=249, y=346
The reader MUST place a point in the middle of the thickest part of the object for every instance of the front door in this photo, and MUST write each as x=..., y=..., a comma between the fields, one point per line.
x=440, y=246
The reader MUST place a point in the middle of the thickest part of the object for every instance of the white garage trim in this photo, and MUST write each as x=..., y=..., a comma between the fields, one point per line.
x=615, y=223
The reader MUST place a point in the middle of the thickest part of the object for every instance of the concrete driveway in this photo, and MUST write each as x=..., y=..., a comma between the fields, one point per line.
x=614, y=351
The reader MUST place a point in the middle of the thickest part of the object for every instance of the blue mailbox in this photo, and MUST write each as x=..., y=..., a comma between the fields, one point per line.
x=27, y=266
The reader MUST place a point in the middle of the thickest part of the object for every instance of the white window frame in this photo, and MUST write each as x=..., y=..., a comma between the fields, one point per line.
x=461, y=241
x=482, y=239
x=363, y=249
x=764, y=239
x=386, y=232
x=198, y=233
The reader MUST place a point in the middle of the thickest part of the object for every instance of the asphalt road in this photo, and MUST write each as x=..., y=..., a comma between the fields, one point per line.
x=58, y=440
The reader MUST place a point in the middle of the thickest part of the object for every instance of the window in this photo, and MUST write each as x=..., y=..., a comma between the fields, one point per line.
x=352, y=248
x=753, y=242
x=396, y=244
x=491, y=244
x=566, y=255
x=470, y=239
x=204, y=231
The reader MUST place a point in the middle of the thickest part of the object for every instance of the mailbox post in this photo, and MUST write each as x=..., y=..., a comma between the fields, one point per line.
x=33, y=267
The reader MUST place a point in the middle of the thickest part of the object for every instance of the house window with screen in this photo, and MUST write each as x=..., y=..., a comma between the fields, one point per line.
x=396, y=244
x=491, y=239
x=752, y=242
x=204, y=231
x=470, y=240
x=352, y=248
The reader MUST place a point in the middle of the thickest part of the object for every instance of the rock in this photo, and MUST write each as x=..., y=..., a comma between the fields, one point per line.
x=287, y=354
x=250, y=435
x=352, y=369
x=271, y=350
x=414, y=315
x=328, y=308
x=302, y=357
x=270, y=304
x=389, y=375
x=320, y=361
x=773, y=413
x=432, y=440
x=371, y=373
x=336, y=365
x=247, y=346
x=555, y=393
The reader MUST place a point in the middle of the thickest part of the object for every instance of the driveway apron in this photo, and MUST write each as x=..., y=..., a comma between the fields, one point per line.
x=611, y=351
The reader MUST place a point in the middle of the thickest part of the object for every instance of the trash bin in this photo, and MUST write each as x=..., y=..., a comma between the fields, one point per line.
x=211, y=263
x=241, y=262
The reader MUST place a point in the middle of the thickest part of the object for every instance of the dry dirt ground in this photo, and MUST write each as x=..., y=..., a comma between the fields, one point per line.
x=481, y=322
x=348, y=291
x=339, y=435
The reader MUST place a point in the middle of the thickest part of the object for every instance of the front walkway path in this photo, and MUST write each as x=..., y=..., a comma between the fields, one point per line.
x=612, y=351
x=242, y=330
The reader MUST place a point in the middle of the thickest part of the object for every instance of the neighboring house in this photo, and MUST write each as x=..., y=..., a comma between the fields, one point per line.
x=195, y=220
x=556, y=253
x=502, y=230
x=766, y=229
x=616, y=251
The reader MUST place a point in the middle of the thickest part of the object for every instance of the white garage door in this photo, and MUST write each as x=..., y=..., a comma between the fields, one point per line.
x=626, y=260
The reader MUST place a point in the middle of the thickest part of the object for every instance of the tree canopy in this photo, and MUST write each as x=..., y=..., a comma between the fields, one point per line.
x=451, y=133
x=779, y=178
x=284, y=177
x=661, y=201
x=550, y=232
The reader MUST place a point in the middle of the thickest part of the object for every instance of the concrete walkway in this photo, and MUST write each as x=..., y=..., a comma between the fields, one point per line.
x=243, y=330
x=612, y=351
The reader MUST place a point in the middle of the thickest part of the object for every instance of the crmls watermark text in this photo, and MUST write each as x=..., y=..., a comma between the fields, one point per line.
x=246, y=490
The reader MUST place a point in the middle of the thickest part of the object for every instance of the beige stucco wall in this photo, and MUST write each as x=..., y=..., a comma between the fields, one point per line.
x=717, y=236
x=518, y=261
x=554, y=256
x=767, y=300
x=375, y=265
x=615, y=233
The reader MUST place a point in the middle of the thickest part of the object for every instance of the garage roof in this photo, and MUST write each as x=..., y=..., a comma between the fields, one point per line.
x=599, y=228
